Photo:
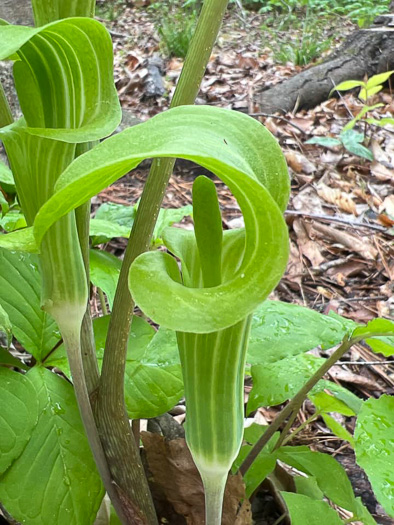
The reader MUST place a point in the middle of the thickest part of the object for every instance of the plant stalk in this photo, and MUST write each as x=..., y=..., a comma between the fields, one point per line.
x=114, y=427
x=300, y=397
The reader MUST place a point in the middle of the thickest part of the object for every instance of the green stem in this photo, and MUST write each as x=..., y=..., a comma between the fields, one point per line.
x=115, y=430
x=298, y=429
x=214, y=491
x=296, y=401
x=300, y=397
x=5, y=111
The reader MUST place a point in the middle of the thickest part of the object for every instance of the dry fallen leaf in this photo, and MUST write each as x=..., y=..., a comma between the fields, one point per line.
x=351, y=242
x=175, y=476
x=336, y=196
x=308, y=248
x=299, y=163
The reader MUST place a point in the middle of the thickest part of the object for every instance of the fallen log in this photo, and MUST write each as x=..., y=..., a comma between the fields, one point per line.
x=364, y=52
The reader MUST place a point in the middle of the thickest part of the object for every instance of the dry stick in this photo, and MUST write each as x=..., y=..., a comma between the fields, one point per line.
x=115, y=432
x=299, y=398
x=328, y=218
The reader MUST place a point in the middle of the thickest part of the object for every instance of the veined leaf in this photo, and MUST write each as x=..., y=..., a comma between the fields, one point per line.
x=364, y=94
x=5, y=325
x=46, y=11
x=19, y=241
x=220, y=141
x=337, y=429
x=7, y=359
x=55, y=479
x=282, y=330
x=374, y=446
x=20, y=288
x=18, y=415
x=329, y=474
x=6, y=175
x=153, y=380
x=62, y=81
x=303, y=509
x=104, y=272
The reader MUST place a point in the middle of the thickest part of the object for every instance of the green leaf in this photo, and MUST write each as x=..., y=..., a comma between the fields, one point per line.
x=153, y=379
x=304, y=510
x=265, y=462
x=4, y=205
x=104, y=272
x=6, y=175
x=277, y=382
x=219, y=140
x=364, y=95
x=360, y=115
x=7, y=359
x=379, y=326
x=64, y=79
x=308, y=487
x=167, y=217
x=5, y=325
x=348, y=84
x=329, y=474
x=329, y=142
x=55, y=479
x=118, y=214
x=381, y=122
x=328, y=403
x=19, y=241
x=374, y=446
x=46, y=11
x=379, y=79
x=337, y=429
x=13, y=221
x=106, y=230
x=18, y=416
x=352, y=142
x=20, y=290
x=363, y=514
x=282, y=329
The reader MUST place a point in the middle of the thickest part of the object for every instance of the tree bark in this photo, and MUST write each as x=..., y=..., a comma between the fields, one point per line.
x=364, y=52
x=16, y=11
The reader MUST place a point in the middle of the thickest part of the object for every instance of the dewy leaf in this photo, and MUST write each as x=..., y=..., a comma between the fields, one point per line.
x=246, y=157
x=304, y=510
x=104, y=272
x=20, y=289
x=328, y=403
x=61, y=67
x=153, y=379
x=55, y=479
x=263, y=465
x=329, y=474
x=18, y=415
x=337, y=429
x=19, y=241
x=5, y=325
x=383, y=344
x=6, y=175
x=277, y=382
x=282, y=329
x=374, y=446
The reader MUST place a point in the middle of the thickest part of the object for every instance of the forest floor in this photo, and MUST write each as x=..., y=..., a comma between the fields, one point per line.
x=341, y=211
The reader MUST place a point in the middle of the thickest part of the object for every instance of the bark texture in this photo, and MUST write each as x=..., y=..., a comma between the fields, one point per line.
x=364, y=52
x=16, y=11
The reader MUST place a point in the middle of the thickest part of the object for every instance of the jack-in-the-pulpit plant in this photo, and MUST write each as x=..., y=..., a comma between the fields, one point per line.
x=206, y=289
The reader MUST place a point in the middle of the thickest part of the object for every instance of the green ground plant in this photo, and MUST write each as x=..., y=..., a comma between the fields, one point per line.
x=351, y=137
x=65, y=437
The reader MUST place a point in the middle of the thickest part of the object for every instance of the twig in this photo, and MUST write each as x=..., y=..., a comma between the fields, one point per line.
x=261, y=114
x=341, y=363
x=329, y=218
